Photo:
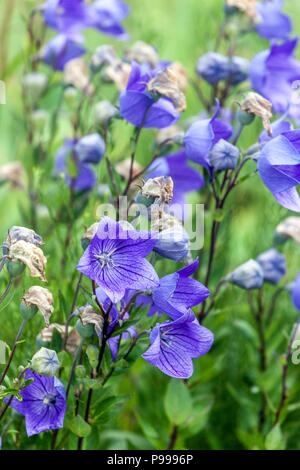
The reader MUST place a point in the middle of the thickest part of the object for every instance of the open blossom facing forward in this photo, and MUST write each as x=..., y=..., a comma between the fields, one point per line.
x=115, y=259
x=43, y=405
x=175, y=344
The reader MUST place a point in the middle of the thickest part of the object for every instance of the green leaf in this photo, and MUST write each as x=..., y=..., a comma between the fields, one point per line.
x=79, y=427
x=274, y=439
x=10, y=391
x=177, y=402
x=92, y=383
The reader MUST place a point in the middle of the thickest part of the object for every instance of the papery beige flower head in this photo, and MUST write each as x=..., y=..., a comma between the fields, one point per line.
x=166, y=83
x=142, y=52
x=118, y=74
x=31, y=255
x=181, y=75
x=123, y=168
x=104, y=111
x=76, y=73
x=290, y=228
x=259, y=106
x=105, y=55
x=42, y=299
x=17, y=233
x=246, y=6
x=160, y=188
x=167, y=135
x=73, y=340
x=89, y=316
x=13, y=173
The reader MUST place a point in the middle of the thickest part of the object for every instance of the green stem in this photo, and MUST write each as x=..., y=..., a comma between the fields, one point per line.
x=13, y=351
x=5, y=293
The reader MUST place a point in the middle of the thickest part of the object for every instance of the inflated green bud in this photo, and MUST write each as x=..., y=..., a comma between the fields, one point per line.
x=92, y=353
x=39, y=119
x=84, y=331
x=71, y=96
x=80, y=371
x=143, y=200
x=28, y=311
x=34, y=85
x=245, y=118
x=45, y=362
x=15, y=268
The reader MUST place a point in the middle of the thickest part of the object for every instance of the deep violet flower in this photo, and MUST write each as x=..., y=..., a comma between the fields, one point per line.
x=279, y=168
x=273, y=24
x=115, y=259
x=139, y=108
x=174, y=345
x=60, y=50
x=115, y=341
x=107, y=16
x=296, y=292
x=177, y=292
x=185, y=178
x=273, y=265
x=74, y=159
x=202, y=135
x=43, y=405
x=70, y=17
x=274, y=73
x=113, y=310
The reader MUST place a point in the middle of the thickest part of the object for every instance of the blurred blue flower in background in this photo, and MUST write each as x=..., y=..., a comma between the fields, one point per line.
x=273, y=265
x=273, y=24
x=279, y=168
x=138, y=107
x=275, y=73
x=214, y=67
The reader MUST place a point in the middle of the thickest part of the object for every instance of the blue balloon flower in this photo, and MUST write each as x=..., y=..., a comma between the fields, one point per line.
x=139, y=108
x=279, y=169
x=274, y=74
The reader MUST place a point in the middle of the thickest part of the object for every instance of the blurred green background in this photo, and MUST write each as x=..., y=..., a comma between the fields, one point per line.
x=225, y=383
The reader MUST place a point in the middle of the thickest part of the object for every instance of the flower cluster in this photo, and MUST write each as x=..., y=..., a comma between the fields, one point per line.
x=132, y=174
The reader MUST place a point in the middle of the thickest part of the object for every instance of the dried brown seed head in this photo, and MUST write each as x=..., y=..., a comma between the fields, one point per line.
x=142, y=52
x=160, y=188
x=246, y=6
x=256, y=104
x=166, y=83
x=13, y=173
x=31, y=255
x=76, y=73
x=42, y=299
